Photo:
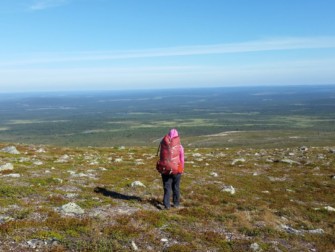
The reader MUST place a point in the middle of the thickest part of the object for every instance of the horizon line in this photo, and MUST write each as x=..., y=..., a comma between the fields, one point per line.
x=160, y=88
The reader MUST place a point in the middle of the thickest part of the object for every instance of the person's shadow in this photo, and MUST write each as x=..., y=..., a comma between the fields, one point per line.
x=115, y=195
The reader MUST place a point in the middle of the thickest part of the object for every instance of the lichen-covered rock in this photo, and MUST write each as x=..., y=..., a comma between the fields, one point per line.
x=10, y=150
x=63, y=159
x=71, y=208
x=7, y=167
x=35, y=243
x=291, y=230
x=289, y=161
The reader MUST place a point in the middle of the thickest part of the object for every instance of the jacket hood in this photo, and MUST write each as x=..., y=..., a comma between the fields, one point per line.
x=173, y=133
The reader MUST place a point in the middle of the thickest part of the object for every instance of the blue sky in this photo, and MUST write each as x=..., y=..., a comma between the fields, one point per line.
x=58, y=45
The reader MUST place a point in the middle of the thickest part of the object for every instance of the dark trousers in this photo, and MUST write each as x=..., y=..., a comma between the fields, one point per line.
x=171, y=182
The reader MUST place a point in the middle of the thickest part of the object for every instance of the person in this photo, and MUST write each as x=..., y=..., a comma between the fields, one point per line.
x=172, y=175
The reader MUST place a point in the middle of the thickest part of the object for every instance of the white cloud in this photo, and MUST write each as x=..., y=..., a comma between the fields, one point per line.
x=269, y=73
x=46, y=4
x=52, y=71
x=294, y=43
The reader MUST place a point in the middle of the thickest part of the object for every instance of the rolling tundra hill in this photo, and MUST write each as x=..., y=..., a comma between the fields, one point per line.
x=77, y=170
x=109, y=199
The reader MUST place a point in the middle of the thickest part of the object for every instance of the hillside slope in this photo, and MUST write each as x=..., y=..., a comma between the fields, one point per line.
x=233, y=199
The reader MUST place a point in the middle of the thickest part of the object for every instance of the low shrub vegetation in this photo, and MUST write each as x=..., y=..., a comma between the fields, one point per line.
x=281, y=206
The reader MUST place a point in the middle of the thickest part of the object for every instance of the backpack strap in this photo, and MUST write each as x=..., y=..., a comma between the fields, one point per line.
x=158, y=149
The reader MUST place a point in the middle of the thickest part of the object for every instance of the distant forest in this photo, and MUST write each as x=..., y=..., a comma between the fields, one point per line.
x=290, y=114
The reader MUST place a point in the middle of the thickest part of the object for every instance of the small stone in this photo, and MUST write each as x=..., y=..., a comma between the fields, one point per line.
x=273, y=179
x=7, y=167
x=214, y=174
x=59, y=180
x=12, y=175
x=238, y=160
x=134, y=246
x=230, y=189
x=40, y=150
x=189, y=162
x=289, y=161
x=24, y=159
x=137, y=183
x=139, y=162
x=164, y=240
x=255, y=247
x=303, y=148
x=38, y=162
x=53, y=242
x=329, y=208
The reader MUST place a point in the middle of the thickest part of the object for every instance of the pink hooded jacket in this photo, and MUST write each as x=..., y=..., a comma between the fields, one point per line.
x=174, y=133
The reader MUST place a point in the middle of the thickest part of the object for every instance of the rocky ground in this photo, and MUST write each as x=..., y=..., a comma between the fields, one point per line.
x=109, y=199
